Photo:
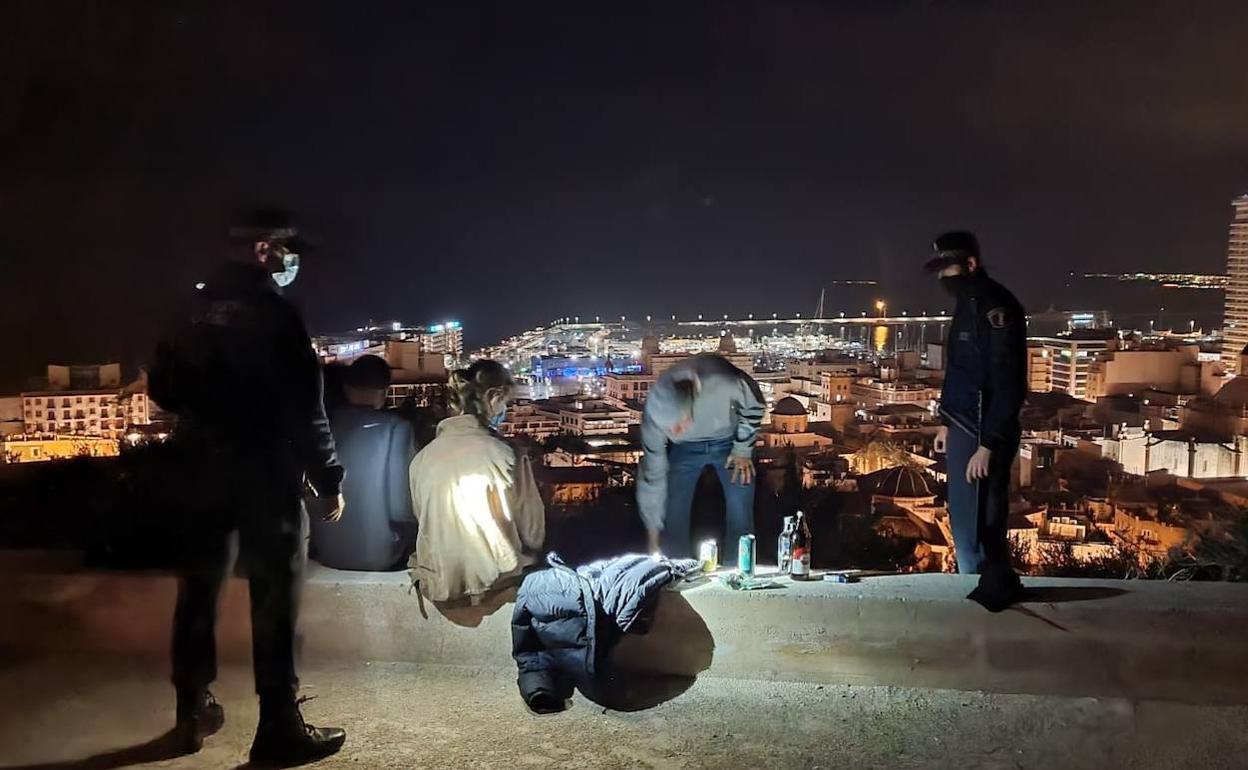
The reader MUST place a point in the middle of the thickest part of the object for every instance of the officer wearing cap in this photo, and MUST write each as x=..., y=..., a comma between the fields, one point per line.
x=246, y=386
x=985, y=385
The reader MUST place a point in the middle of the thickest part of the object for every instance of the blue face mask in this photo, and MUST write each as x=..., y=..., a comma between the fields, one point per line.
x=498, y=419
x=290, y=269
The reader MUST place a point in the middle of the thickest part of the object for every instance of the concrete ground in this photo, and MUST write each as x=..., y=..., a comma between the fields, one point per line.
x=94, y=713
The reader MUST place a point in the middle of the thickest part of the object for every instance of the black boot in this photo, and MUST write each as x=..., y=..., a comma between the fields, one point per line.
x=199, y=715
x=999, y=588
x=283, y=739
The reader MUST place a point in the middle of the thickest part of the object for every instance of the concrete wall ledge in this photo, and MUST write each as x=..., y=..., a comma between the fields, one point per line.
x=1140, y=640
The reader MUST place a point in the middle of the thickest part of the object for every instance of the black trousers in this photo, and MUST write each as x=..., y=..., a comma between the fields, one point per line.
x=979, y=512
x=271, y=537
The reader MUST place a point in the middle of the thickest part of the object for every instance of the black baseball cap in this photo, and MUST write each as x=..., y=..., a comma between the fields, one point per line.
x=271, y=224
x=952, y=248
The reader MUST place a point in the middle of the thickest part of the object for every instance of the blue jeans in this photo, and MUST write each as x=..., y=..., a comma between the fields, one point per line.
x=685, y=464
x=978, y=513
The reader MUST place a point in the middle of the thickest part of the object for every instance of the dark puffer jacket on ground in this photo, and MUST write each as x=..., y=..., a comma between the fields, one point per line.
x=566, y=620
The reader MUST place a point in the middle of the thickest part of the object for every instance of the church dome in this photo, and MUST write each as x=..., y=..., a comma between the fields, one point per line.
x=903, y=482
x=789, y=407
x=1234, y=394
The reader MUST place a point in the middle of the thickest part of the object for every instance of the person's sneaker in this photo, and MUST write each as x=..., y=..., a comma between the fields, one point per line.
x=283, y=739
x=199, y=715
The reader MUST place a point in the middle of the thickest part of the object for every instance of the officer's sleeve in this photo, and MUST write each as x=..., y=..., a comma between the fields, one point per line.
x=320, y=456
x=1007, y=376
x=309, y=424
x=652, y=475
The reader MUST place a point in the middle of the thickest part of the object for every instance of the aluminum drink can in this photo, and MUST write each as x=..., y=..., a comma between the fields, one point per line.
x=708, y=554
x=747, y=551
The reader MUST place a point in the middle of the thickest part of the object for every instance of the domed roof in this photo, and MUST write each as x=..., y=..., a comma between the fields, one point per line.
x=1234, y=394
x=902, y=482
x=789, y=407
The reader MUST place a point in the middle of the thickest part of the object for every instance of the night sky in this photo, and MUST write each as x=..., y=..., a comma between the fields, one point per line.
x=508, y=165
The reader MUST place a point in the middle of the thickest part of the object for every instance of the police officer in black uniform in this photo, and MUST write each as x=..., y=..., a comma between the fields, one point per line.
x=985, y=385
x=245, y=383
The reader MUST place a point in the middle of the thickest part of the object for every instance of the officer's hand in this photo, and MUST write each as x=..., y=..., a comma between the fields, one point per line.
x=742, y=469
x=332, y=508
x=977, y=468
x=942, y=440
x=652, y=542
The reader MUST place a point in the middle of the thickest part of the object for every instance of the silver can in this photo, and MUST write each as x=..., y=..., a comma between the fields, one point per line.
x=708, y=554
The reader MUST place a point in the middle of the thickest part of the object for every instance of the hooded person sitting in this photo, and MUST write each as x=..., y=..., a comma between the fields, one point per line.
x=481, y=518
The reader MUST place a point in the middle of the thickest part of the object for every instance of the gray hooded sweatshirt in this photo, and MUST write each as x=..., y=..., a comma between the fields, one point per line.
x=728, y=405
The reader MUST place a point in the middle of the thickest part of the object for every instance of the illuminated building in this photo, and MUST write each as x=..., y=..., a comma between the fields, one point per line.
x=590, y=417
x=340, y=348
x=525, y=418
x=1039, y=367
x=1071, y=357
x=1170, y=370
x=789, y=416
x=85, y=401
x=623, y=388
x=871, y=392
x=789, y=427
x=1235, y=321
x=419, y=377
x=657, y=363
x=444, y=338
x=34, y=449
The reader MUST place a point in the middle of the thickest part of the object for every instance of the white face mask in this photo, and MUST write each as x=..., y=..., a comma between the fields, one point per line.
x=290, y=269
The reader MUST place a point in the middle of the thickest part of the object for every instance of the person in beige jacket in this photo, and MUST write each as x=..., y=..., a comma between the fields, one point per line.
x=481, y=518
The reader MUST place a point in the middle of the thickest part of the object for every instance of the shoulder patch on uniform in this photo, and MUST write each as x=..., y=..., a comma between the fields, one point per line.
x=998, y=318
